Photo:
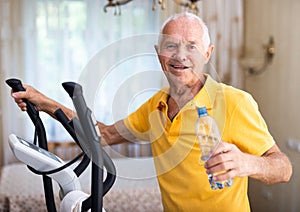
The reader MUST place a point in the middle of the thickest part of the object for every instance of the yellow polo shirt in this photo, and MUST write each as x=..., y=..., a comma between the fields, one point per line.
x=182, y=178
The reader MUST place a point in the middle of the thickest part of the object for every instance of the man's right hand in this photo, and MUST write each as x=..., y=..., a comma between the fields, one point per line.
x=40, y=101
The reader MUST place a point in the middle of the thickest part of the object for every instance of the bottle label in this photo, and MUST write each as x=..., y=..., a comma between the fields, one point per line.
x=218, y=185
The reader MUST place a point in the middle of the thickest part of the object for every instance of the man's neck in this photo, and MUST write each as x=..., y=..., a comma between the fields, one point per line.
x=180, y=95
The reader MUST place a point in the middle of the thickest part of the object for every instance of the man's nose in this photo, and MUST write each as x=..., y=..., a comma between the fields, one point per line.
x=180, y=54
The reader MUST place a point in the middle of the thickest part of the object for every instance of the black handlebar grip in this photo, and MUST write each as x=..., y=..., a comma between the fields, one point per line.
x=70, y=87
x=15, y=84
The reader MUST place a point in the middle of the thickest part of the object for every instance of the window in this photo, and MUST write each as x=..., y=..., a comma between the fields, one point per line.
x=65, y=36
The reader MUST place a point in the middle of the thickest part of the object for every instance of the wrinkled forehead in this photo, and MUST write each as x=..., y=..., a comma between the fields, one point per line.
x=182, y=30
x=178, y=39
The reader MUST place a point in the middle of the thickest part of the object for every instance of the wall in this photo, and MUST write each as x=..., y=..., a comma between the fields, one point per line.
x=277, y=91
x=1, y=148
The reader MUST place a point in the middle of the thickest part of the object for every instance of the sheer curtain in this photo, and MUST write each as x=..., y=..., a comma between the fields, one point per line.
x=12, y=62
x=47, y=42
x=225, y=21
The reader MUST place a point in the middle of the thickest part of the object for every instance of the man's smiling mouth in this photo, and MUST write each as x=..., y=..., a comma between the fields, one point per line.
x=178, y=66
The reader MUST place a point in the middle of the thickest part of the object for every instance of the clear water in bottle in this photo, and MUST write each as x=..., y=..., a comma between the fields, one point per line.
x=209, y=137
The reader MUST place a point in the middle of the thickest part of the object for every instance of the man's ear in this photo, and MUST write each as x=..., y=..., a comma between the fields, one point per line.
x=156, y=48
x=208, y=53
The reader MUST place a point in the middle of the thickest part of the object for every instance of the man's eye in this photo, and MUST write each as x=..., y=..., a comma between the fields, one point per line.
x=192, y=47
x=171, y=46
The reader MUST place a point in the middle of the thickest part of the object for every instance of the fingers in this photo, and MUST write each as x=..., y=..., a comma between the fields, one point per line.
x=18, y=98
x=222, y=170
x=223, y=147
x=228, y=161
x=21, y=104
x=19, y=94
x=32, y=95
x=221, y=164
x=224, y=166
x=224, y=176
x=218, y=155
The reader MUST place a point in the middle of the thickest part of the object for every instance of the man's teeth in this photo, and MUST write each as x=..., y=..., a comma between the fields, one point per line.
x=179, y=67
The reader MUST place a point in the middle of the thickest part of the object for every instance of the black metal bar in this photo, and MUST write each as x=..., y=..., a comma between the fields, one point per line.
x=68, y=125
x=16, y=85
x=89, y=126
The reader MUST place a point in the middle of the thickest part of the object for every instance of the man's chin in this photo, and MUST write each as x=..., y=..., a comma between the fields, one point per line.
x=178, y=79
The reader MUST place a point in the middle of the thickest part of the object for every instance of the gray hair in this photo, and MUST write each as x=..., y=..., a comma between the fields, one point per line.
x=191, y=16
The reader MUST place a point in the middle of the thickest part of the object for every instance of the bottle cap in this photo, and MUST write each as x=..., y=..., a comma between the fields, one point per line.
x=202, y=111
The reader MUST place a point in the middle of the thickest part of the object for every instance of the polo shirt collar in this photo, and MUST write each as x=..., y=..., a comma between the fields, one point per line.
x=205, y=97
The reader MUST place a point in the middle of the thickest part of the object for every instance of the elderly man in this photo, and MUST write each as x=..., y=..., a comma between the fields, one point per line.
x=167, y=120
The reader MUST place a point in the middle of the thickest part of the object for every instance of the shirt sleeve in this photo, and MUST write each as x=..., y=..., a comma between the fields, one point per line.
x=138, y=123
x=248, y=128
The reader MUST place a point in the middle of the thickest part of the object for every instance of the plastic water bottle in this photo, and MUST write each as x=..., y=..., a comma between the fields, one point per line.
x=209, y=137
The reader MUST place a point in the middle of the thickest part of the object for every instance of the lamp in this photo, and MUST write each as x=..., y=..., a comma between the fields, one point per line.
x=191, y=5
x=161, y=2
x=118, y=3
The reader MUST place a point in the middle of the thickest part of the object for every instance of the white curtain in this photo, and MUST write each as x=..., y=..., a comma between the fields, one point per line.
x=11, y=64
x=47, y=42
x=225, y=21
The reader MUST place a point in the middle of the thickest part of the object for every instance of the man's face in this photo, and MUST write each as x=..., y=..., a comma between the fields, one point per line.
x=181, y=51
